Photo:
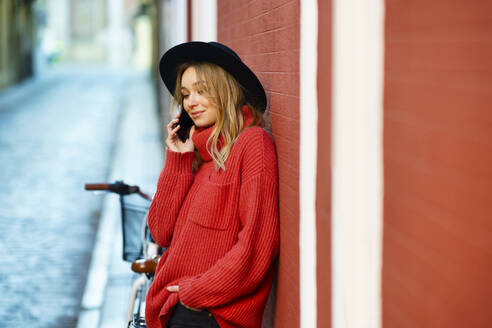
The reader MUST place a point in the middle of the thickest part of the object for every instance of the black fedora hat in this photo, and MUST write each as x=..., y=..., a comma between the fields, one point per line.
x=215, y=53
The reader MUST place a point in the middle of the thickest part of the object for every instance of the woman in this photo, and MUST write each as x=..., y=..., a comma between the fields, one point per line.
x=216, y=205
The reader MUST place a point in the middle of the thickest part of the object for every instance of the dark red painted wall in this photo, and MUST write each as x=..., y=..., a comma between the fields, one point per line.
x=265, y=34
x=437, y=247
x=323, y=177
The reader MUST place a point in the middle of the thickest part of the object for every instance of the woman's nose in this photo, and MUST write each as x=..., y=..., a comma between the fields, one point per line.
x=192, y=100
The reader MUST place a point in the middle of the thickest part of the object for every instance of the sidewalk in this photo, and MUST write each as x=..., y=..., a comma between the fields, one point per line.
x=138, y=159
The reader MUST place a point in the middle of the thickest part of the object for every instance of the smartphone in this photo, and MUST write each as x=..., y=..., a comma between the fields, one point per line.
x=186, y=123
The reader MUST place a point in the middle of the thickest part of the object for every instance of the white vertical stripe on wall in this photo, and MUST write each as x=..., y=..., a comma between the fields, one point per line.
x=307, y=165
x=358, y=27
x=204, y=20
x=174, y=23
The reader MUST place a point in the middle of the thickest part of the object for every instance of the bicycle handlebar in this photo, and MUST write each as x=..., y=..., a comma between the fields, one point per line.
x=119, y=187
x=96, y=186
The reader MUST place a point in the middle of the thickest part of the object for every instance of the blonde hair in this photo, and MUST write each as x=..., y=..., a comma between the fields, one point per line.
x=222, y=90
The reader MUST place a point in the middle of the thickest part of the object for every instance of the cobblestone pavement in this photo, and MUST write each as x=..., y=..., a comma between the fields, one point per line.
x=54, y=136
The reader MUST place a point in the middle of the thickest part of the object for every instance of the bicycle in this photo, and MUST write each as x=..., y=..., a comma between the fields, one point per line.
x=138, y=246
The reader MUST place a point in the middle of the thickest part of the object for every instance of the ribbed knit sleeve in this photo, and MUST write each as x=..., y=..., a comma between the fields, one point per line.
x=244, y=267
x=173, y=184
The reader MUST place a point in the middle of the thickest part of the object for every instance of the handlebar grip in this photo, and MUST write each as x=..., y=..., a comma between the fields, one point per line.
x=96, y=186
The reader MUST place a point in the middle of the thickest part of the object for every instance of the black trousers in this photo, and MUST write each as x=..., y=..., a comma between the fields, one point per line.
x=183, y=317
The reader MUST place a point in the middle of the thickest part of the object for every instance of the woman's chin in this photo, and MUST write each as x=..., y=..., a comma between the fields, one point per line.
x=203, y=124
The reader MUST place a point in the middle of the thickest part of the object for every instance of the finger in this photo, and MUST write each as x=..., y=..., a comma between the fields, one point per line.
x=173, y=121
x=173, y=289
x=177, y=116
x=171, y=124
x=173, y=131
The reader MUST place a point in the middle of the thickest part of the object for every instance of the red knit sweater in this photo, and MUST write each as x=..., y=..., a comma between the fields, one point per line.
x=221, y=230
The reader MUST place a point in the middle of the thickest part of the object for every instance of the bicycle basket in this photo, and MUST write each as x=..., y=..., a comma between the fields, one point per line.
x=132, y=218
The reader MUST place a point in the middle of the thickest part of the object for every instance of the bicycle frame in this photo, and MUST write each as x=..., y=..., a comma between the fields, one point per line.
x=150, y=252
x=141, y=284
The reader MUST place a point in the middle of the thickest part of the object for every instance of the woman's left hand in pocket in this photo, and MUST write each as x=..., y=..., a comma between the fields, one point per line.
x=175, y=289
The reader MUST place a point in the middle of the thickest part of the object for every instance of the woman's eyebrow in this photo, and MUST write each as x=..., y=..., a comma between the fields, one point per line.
x=197, y=83
x=201, y=82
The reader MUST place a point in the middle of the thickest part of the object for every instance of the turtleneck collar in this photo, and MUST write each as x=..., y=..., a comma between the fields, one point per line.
x=201, y=135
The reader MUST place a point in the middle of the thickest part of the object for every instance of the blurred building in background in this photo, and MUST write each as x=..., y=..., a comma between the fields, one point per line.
x=37, y=35
x=95, y=31
x=17, y=41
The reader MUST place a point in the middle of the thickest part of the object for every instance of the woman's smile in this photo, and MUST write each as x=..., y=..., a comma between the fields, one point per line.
x=196, y=114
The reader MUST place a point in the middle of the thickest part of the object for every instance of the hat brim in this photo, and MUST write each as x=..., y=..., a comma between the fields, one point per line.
x=197, y=51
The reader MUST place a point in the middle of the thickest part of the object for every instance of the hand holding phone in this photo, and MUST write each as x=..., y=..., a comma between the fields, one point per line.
x=177, y=140
x=185, y=122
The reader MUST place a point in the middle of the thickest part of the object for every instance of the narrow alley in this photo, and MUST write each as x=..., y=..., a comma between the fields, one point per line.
x=55, y=134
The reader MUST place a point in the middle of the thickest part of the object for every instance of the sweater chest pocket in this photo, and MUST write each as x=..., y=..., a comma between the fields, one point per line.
x=213, y=206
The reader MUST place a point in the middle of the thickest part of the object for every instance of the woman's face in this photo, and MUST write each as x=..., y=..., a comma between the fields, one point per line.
x=197, y=105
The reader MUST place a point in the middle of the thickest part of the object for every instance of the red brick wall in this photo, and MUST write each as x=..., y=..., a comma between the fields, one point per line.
x=265, y=34
x=323, y=177
x=437, y=245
